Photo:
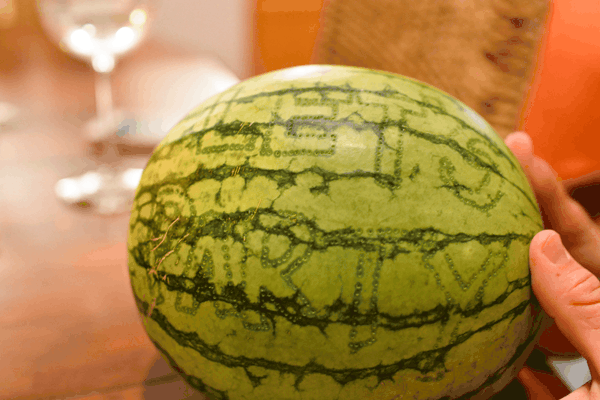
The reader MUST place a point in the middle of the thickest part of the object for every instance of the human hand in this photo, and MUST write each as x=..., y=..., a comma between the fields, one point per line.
x=564, y=278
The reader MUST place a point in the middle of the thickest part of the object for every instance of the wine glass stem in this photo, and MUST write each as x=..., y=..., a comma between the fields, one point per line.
x=105, y=112
x=104, y=101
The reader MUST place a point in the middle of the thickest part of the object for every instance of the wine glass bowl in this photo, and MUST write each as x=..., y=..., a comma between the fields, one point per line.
x=95, y=31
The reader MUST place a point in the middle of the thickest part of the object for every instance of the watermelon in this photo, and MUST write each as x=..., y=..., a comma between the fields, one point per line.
x=336, y=233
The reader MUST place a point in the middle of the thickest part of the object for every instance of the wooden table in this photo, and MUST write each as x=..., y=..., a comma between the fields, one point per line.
x=68, y=322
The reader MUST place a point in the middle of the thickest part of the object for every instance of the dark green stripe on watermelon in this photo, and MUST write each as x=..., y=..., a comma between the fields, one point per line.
x=425, y=362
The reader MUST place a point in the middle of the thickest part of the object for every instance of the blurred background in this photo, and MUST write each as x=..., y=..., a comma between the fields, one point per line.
x=255, y=36
x=68, y=325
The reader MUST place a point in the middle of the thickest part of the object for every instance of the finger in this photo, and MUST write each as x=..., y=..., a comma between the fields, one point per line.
x=536, y=390
x=568, y=292
x=581, y=235
x=564, y=215
x=522, y=147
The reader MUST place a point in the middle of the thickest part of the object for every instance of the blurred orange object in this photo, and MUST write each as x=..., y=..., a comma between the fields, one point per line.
x=285, y=32
x=562, y=115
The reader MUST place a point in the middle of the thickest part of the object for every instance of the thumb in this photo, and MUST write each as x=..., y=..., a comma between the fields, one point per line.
x=569, y=293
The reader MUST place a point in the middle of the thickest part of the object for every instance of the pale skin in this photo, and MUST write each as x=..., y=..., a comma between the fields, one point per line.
x=568, y=288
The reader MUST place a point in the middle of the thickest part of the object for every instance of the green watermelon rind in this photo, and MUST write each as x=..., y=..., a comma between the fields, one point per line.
x=184, y=229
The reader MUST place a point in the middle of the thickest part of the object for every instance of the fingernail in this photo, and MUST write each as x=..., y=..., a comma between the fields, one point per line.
x=554, y=250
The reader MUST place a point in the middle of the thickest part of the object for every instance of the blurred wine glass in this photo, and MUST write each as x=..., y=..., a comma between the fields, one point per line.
x=99, y=31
